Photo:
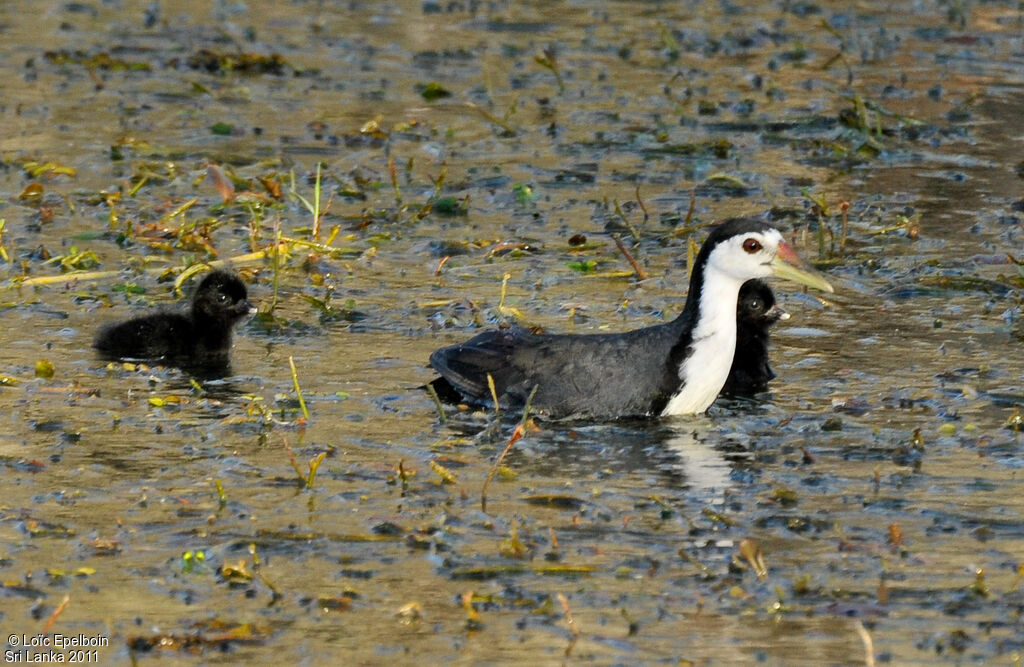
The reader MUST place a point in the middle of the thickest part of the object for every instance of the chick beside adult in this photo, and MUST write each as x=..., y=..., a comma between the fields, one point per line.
x=756, y=312
x=674, y=368
x=199, y=337
x=750, y=373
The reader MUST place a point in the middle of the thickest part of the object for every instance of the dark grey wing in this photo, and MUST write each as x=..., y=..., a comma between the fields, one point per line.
x=466, y=365
x=604, y=375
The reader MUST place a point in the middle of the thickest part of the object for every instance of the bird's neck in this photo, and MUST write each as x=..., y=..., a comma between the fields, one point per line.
x=752, y=332
x=211, y=331
x=705, y=365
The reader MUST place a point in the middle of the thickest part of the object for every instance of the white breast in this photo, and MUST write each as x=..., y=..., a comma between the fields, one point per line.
x=703, y=373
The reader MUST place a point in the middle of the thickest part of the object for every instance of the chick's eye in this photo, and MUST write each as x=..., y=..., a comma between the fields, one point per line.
x=755, y=304
x=751, y=245
x=222, y=298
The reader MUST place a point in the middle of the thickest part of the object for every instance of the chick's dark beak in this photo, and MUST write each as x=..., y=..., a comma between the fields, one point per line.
x=774, y=314
x=243, y=307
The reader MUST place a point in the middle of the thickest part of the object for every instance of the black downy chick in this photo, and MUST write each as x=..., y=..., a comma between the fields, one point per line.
x=198, y=339
x=756, y=312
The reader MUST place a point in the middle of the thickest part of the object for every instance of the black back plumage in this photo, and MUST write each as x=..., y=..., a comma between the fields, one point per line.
x=756, y=312
x=575, y=376
x=200, y=337
x=633, y=373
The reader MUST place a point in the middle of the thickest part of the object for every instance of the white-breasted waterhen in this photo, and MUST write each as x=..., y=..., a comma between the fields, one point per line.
x=675, y=368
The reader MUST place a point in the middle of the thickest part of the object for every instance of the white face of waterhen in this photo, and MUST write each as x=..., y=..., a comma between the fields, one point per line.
x=731, y=262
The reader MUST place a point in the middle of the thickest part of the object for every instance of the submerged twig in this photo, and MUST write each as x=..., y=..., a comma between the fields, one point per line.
x=394, y=179
x=276, y=269
x=622, y=216
x=316, y=205
x=689, y=227
x=473, y=621
x=502, y=308
x=691, y=256
x=314, y=465
x=215, y=174
x=180, y=210
x=640, y=273
x=640, y=203
x=293, y=460
x=188, y=273
x=751, y=551
x=437, y=402
x=483, y=113
x=298, y=390
x=494, y=394
x=869, y=645
x=844, y=208
x=517, y=435
x=307, y=478
x=704, y=569
x=568, y=614
x=56, y=612
x=3, y=250
x=570, y=620
x=546, y=58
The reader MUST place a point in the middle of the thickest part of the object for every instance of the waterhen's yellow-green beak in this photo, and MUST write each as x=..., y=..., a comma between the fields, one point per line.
x=788, y=266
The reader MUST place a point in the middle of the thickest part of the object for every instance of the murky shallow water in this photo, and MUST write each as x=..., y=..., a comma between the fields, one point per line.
x=105, y=492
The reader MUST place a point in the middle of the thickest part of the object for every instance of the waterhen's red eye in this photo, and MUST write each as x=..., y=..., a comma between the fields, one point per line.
x=751, y=245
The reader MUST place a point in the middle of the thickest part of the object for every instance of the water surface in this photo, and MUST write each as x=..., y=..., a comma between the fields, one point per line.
x=877, y=478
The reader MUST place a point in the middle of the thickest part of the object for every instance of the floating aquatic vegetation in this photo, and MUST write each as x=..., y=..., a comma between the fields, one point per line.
x=445, y=475
x=307, y=478
x=331, y=313
x=556, y=500
x=100, y=60
x=48, y=170
x=512, y=546
x=45, y=369
x=483, y=573
x=750, y=550
x=38, y=528
x=302, y=404
x=548, y=60
x=524, y=193
x=212, y=61
x=193, y=561
x=76, y=260
x=214, y=635
x=727, y=182
x=341, y=602
x=720, y=149
x=167, y=401
x=105, y=547
x=433, y=91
